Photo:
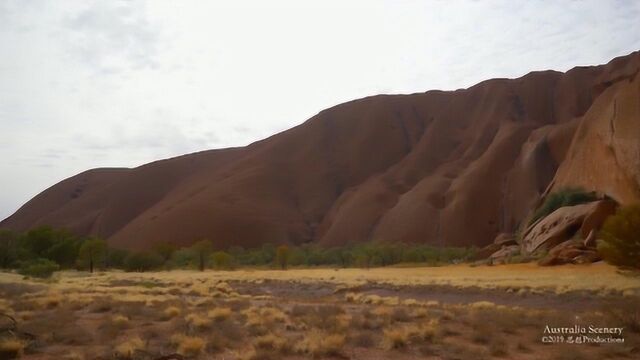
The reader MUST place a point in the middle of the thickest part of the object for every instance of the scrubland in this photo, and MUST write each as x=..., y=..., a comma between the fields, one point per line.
x=448, y=312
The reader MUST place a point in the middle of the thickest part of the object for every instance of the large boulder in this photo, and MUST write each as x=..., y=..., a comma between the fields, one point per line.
x=503, y=255
x=570, y=252
x=563, y=224
x=502, y=240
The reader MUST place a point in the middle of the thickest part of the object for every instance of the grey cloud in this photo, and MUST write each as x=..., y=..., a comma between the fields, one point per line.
x=112, y=36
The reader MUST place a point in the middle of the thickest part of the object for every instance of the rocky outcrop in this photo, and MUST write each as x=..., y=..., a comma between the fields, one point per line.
x=564, y=223
x=570, y=252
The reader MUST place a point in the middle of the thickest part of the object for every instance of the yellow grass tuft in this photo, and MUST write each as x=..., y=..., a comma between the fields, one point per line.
x=220, y=314
x=264, y=316
x=482, y=305
x=372, y=299
x=391, y=300
x=188, y=345
x=395, y=338
x=50, y=300
x=382, y=311
x=198, y=321
x=420, y=313
x=319, y=344
x=410, y=302
x=401, y=336
x=271, y=342
x=128, y=348
x=171, y=312
x=120, y=321
x=432, y=303
x=224, y=287
x=352, y=297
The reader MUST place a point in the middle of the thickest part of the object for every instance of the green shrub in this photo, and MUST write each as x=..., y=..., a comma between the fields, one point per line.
x=620, y=244
x=115, y=258
x=142, y=261
x=183, y=258
x=41, y=268
x=561, y=198
x=8, y=249
x=222, y=260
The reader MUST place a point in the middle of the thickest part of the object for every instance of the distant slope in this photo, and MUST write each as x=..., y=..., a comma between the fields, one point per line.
x=441, y=167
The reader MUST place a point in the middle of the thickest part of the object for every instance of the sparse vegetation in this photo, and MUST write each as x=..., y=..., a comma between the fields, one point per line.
x=318, y=313
x=142, y=261
x=561, y=198
x=620, y=244
x=319, y=344
x=188, y=345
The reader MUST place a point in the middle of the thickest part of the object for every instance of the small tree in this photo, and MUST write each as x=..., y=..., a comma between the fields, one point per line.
x=202, y=249
x=222, y=260
x=282, y=256
x=620, y=244
x=92, y=251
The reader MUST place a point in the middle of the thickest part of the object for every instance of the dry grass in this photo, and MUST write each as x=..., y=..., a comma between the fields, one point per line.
x=220, y=314
x=266, y=316
x=401, y=336
x=120, y=321
x=11, y=348
x=188, y=345
x=101, y=313
x=171, y=312
x=198, y=321
x=128, y=348
x=518, y=276
x=395, y=338
x=271, y=342
x=319, y=344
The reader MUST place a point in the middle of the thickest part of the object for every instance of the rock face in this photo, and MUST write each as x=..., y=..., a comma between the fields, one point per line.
x=441, y=167
x=562, y=224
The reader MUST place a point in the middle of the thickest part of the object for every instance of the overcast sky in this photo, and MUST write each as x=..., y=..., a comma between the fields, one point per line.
x=87, y=84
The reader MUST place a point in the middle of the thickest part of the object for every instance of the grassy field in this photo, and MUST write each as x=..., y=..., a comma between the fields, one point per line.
x=448, y=312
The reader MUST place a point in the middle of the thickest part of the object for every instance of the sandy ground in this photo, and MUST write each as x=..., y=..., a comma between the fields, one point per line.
x=449, y=312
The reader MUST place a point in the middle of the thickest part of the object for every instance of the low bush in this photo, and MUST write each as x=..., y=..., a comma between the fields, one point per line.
x=620, y=244
x=222, y=260
x=40, y=268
